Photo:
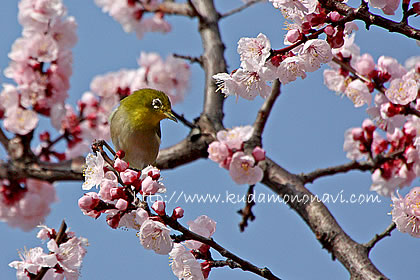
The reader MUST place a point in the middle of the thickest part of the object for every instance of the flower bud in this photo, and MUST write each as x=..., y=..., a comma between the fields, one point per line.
x=159, y=207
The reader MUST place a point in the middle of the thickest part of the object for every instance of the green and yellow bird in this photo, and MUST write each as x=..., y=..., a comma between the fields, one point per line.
x=135, y=125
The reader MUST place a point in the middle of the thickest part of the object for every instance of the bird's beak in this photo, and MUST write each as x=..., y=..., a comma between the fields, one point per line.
x=170, y=115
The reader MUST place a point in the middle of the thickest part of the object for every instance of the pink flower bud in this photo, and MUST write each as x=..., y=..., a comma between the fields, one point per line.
x=113, y=221
x=329, y=30
x=159, y=207
x=205, y=269
x=129, y=176
x=117, y=193
x=120, y=165
x=149, y=186
x=258, y=153
x=178, y=213
x=368, y=126
x=293, y=35
x=121, y=204
x=154, y=173
x=357, y=134
x=120, y=154
x=89, y=201
x=334, y=16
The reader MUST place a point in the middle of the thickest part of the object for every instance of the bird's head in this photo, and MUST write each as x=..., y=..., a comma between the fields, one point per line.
x=150, y=105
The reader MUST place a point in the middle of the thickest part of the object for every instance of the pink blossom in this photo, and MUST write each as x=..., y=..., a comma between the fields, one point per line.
x=31, y=205
x=314, y=53
x=121, y=204
x=20, y=121
x=334, y=80
x=358, y=92
x=293, y=35
x=94, y=171
x=243, y=171
x=184, y=265
x=258, y=153
x=402, y=90
x=306, y=6
x=291, y=68
x=349, y=49
x=155, y=236
x=349, y=27
x=365, y=64
x=151, y=187
x=129, y=176
x=387, y=6
x=351, y=145
x=32, y=261
x=218, y=151
x=159, y=207
x=120, y=165
x=391, y=66
x=254, y=50
x=150, y=171
x=383, y=186
x=250, y=84
x=108, y=183
x=233, y=138
x=69, y=255
x=203, y=226
x=89, y=201
x=45, y=232
x=406, y=212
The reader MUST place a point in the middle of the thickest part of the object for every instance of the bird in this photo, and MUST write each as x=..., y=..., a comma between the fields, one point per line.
x=135, y=126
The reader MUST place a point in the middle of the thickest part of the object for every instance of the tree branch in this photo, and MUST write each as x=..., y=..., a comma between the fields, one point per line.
x=362, y=13
x=379, y=237
x=213, y=59
x=191, y=59
x=265, y=110
x=242, y=264
x=353, y=165
x=240, y=8
x=351, y=254
x=70, y=170
x=246, y=212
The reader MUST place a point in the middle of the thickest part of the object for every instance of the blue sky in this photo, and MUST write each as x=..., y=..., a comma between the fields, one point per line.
x=304, y=132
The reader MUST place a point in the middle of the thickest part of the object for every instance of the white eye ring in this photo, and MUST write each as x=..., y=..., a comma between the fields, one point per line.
x=156, y=103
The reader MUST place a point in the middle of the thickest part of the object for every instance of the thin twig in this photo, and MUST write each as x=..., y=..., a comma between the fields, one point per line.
x=265, y=109
x=246, y=212
x=379, y=237
x=184, y=120
x=240, y=8
x=321, y=172
x=362, y=13
x=241, y=263
x=191, y=59
x=61, y=236
x=349, y=68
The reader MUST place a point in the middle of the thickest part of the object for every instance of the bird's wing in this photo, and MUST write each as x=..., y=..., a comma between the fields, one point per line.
x=158, y=132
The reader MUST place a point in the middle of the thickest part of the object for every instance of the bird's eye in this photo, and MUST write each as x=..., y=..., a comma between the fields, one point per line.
x=156, y=103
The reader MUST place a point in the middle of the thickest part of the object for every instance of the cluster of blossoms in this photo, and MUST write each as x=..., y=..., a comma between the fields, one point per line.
x=91, y=121
x=130, y=14
x=228, y=152
x=406, y=212
x=260, y=64
x=404, y=82
x=401, y=166
x=125, y=207
x=25, y=203
x=63, y=260
x=40, y=65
